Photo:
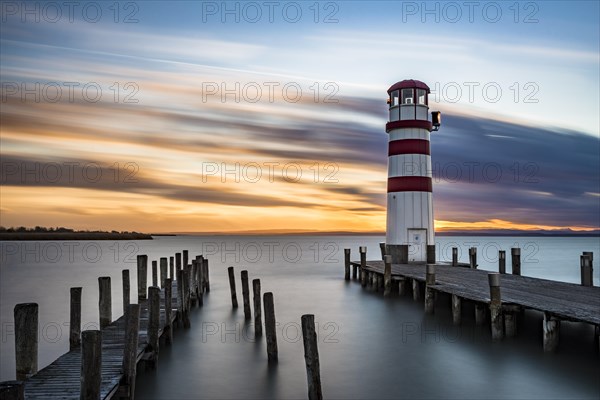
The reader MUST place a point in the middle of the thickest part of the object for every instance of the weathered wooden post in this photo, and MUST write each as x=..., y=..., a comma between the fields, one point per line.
x=126, y=289
x=153, y=324
x=12, y=390
x=387, y=291
x=129, y=365
x=587, y=277
x=142, y=275
x=270, y=325
x=502, y=261
x=382, y=249
x=496, y=318
x=363, y=264
x=429, y=292
x=163, y=271
x=311, y=357
x=186, y=295
x=454, y=256
x=510, y=321
x=416, y=290
x=456, y=309
x=479, y=314
x=105, y=301
x=91, y=364
x=551, y=332
x=347, y=264
x=473, y=257
x=168, y=311
x=257, y=308
x=234, y=302
x=179, y=273
x=515, y=253
x=177, y=263
x=75, y=319
x=172, y=267
x=154, y=273
x=185, y=259
x=200, y=279
x=193, y=287
x=26, y=339
x=206, y=275
x=246, y=295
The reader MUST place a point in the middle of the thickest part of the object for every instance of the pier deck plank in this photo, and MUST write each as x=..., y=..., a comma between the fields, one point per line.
x=567, y=301
x=61, y=379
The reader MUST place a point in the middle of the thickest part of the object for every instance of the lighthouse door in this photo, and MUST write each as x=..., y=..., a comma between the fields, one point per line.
x=417, y=245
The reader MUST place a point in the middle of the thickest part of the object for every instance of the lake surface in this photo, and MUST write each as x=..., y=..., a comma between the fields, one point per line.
x=369, y=347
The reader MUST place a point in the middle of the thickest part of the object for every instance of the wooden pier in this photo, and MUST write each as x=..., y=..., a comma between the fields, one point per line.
x=499, y=296
x=158, y=310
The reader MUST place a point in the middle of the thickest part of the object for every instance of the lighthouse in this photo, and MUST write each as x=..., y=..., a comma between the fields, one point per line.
x=410, y=236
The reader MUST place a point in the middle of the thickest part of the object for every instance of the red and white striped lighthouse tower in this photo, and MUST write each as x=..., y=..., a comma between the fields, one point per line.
x=410, y=236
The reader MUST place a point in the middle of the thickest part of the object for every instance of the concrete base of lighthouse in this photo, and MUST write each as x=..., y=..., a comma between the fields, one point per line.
x=399, y=253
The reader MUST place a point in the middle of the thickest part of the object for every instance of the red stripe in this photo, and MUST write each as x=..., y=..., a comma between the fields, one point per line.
x=409, y=146
x=409, y=123
x=409, y=184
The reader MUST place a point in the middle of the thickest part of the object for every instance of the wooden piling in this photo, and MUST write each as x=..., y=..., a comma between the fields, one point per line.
x=473, y=257
x=172, y=268
x=257, y=308
x=246, y=295
x=200, y=279
x=26, y=339
x=206, y=275
x=91, y=364
x=510, y=320
x=75, y=319
x=168, y=329
x=179, y=273
x=347, y=264
x=311, y=357
x=515, y=253
x=502, y=261
x=142, y=275
x=551, y=328
x=154, y=273
x=126, y=289
x=129, y=366
x=587, y=273
x=12, y=390
x=363, y=264
x=416, y=290
x=177, y=263
x=153, y=325
x=163, y=271
x=382, y=249
x=234, y=302
x=429, y=292
x=496, y=318
x=454, y=256
x=270, y=325
x=387, y=291
x=105, y=301
x=456, y=309
x=186, y=259
x=186, y=295
x=479, y=314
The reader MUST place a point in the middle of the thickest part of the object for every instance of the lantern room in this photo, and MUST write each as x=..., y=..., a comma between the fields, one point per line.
x=409, y=101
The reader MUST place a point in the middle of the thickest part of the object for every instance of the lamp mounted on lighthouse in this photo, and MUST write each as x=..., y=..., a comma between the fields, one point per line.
x=410, y=236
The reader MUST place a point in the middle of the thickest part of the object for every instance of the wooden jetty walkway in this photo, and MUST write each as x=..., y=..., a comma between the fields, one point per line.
x=500, y=296
x=122, y=344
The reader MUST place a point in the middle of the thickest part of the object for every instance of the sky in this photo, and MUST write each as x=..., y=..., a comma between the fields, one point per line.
x=244, y=116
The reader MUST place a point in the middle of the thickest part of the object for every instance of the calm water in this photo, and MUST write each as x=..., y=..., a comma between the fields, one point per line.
x=369, y=347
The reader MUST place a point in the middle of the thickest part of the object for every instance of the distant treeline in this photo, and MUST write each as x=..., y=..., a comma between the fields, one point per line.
x=61, y=233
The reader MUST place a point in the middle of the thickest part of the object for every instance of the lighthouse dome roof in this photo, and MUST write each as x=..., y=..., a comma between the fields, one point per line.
x=409, y=84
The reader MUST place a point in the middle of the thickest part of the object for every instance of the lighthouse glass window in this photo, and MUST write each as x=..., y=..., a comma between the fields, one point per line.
x=407, y=96
x=421, y=96
x=395, y=99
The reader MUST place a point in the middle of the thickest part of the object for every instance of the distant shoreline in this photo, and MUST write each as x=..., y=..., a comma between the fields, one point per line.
x=73, y=236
